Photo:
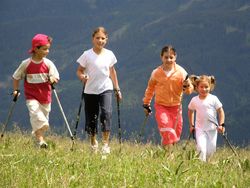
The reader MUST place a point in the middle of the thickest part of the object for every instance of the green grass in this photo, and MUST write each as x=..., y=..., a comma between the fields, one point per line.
x=23, y=164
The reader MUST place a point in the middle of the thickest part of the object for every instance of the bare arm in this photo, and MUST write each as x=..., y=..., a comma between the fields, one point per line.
x=80, y=74
x=191, y=119
x=221, y=115
x=16, y=91
x=114, y=79
x=15, y=84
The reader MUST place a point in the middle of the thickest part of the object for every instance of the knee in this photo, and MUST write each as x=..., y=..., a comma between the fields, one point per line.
x=107, y=114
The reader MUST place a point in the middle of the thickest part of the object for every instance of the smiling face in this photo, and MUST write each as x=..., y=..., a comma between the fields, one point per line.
x=41, y=52
x=203, y=89
x=168, y=59
x=99, y=40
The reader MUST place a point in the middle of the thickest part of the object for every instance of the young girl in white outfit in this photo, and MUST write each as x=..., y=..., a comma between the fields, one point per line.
x=206, y=107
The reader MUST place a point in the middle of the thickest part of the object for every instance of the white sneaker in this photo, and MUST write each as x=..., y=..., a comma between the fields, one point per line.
x=43, y=145
x=94, y=147
x=105, y=149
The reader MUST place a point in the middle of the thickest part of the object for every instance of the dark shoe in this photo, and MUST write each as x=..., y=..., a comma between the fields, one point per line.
x=43, y=145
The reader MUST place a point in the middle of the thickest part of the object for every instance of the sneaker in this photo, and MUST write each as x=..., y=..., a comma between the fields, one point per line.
x=43, y=145
x=105, y=149
x=94, y=147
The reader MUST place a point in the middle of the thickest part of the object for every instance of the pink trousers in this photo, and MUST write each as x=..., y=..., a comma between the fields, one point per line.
x=169, y=120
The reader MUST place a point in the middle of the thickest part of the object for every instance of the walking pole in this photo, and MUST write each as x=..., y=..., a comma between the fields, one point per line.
x=179, y=108
x=10, y=112
x=64, y=117
x=189, y=137
x=143, y=128
x=79, y=112
x=118, y=118
x=225, y=138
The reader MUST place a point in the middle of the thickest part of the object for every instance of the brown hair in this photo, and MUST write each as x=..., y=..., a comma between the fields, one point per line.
x=100, y=29
x=203, y=78
x=168, y=49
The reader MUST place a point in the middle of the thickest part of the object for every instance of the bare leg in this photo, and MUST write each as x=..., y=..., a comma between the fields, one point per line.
x=105, y=137
x=93, y=143
x=40, y=136
x=93, y=140
x=105, y=140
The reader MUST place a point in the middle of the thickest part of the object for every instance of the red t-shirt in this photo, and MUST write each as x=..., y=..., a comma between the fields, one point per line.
x=36, y=85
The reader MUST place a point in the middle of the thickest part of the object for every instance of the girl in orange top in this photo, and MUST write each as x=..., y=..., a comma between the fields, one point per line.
x=167, y=83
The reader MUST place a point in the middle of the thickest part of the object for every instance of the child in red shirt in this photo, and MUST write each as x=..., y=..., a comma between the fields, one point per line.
x=38, y=73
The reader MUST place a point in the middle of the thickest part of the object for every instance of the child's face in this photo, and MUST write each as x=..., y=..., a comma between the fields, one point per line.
x=203, y=89
x=42, y=52
x=99, y=40
x=168, y=58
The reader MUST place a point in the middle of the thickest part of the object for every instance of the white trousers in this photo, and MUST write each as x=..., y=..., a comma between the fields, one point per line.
x=206, y=143
x=39, y=114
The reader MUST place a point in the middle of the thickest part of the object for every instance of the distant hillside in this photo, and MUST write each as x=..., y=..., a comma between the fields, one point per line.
x=211, y=37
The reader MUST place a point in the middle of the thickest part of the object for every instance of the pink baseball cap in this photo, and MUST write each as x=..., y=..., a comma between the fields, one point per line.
x=39, y=40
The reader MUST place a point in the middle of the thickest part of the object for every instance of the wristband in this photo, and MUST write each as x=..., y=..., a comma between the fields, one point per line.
x=147, y=107
x=84, y=77
x=117, y=91
x=17, y=90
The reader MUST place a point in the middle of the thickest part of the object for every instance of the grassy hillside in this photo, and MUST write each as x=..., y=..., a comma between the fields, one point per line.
x=23, y=164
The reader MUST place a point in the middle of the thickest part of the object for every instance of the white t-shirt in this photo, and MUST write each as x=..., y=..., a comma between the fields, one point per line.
x=205, y=110
x=97, y=68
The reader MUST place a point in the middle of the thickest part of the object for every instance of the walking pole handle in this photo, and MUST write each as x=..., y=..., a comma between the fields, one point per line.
x=16, y=95
x=52, y=86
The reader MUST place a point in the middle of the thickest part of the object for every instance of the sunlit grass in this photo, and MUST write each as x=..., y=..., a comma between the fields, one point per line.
x=23, y=164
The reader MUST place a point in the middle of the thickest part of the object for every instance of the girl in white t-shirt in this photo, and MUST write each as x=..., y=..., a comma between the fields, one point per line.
x=96, y=70
x=205, y=107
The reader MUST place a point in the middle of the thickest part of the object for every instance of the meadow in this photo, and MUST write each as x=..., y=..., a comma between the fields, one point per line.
x=130, y=164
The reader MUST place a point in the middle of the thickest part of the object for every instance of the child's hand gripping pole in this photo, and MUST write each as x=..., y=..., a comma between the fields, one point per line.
x=148, y=111
x=224, y=135
x=15, y=94
x=64, y=117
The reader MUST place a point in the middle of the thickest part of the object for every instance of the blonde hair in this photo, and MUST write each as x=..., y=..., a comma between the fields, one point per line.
x=203, y=78
x=100, y=29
